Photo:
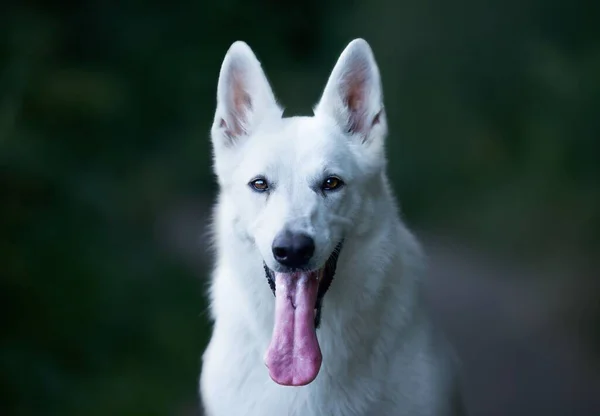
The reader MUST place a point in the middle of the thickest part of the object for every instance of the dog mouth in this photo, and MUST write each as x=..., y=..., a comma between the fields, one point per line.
x=324, y=277
x=294, y=356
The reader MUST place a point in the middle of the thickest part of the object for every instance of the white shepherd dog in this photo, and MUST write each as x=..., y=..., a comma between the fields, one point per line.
x=315, y=295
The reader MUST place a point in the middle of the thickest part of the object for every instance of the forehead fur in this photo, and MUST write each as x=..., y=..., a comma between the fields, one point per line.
x=302, y=146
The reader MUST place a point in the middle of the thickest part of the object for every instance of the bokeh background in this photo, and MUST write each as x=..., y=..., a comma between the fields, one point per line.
x=106, y=186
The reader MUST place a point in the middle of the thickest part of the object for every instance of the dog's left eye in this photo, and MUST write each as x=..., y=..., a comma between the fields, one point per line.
x=259, y=184
x=332, y=183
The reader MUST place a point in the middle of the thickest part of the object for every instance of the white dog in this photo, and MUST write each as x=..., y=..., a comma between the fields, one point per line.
x=315, y=296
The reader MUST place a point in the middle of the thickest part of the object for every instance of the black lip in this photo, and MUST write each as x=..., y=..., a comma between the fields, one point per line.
x=329, y=272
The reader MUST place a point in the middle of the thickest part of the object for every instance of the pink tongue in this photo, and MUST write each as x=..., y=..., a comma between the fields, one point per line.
x=294, y=356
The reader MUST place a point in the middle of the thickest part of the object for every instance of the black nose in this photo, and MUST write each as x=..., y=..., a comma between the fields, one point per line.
x=293, y=250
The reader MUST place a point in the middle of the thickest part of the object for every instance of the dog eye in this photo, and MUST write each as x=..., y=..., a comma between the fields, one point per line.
x=259, y=185
x=332, y=183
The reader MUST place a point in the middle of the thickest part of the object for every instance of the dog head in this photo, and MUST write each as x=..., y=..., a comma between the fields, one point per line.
x=301, y=184
x=297, y=188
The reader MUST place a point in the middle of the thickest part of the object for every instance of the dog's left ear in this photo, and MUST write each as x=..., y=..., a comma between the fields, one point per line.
x=353, y=95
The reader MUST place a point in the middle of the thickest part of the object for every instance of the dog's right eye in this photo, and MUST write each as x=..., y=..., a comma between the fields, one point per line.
x=259, y=185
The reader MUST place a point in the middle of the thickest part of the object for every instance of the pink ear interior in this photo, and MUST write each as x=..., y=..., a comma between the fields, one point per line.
x=240, y=105
x=354, y=89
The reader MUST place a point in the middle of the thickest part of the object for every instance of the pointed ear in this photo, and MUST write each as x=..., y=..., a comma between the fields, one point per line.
x=244, y=96
x=353, y=95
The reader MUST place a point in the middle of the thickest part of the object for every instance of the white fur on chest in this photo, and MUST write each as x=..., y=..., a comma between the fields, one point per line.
x=405, y=382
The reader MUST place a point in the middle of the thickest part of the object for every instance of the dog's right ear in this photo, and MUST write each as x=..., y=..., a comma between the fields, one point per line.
x=353, y=96
x=244, y=97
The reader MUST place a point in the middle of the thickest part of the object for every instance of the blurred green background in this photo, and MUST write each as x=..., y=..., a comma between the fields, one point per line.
x=106, y=182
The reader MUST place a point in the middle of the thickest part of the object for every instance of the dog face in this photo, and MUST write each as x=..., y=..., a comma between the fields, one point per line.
x=300, y=185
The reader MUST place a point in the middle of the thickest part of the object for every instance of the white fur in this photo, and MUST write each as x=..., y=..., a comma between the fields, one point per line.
x=381, y=355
